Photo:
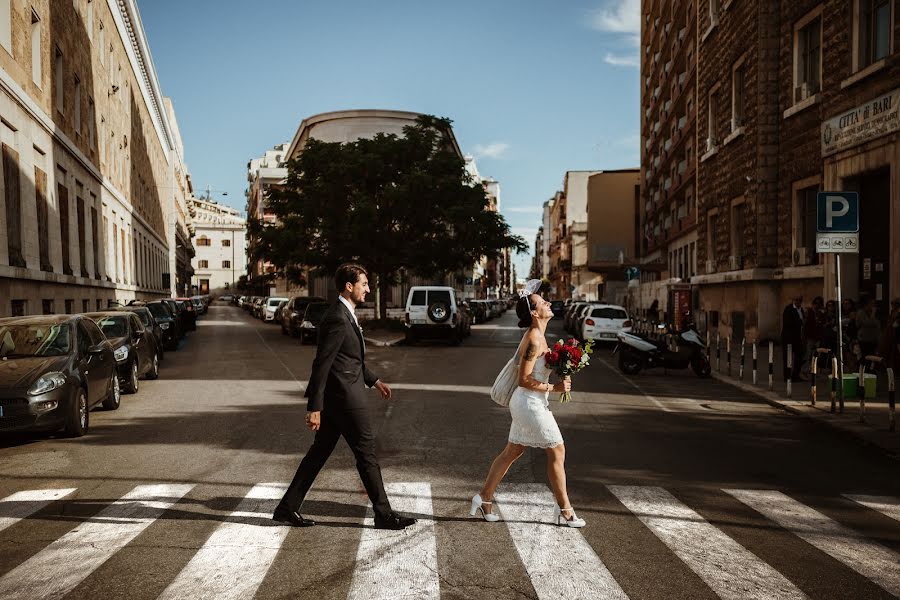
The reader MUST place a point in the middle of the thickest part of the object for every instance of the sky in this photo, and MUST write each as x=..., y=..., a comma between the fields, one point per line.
x=535, y=88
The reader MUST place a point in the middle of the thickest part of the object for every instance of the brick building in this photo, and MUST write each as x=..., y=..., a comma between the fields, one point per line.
x=93, y=179
x=792, y=98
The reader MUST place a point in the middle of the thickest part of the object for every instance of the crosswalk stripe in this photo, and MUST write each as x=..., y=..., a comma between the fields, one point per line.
x=21, y=505
x=886, y=505
x=236, y=557
x=864, y=556
x=559, y=561
x=728, y=568
x=56, y=570
x=399, y=564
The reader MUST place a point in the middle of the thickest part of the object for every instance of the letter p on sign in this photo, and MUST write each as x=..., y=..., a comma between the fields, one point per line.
x=837, y=212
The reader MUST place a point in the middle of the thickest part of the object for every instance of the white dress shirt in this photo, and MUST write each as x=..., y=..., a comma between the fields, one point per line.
x=351, y=309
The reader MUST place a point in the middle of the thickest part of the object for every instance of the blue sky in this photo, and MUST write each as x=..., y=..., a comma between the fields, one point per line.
x=534, y=87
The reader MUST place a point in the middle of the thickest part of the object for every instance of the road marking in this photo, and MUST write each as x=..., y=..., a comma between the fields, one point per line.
x=864, y=556
x=236, y=557
x=886, y=505
x=56, y=570
x=559, y=561
x=433, y=387
x=399, y=564
x=635, y=386
x=21, y=505
x=728, y=568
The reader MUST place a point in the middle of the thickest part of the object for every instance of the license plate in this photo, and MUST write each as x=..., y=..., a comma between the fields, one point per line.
x=1, y=411
x=608, y=335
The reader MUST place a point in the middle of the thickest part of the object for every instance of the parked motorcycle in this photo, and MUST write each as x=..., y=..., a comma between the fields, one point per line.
x=687, y=350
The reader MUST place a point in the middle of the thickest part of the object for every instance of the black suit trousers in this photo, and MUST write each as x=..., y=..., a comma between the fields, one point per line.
x=355, y=425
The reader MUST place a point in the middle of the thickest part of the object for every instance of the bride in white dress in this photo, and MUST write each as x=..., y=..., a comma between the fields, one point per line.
x=533, y=424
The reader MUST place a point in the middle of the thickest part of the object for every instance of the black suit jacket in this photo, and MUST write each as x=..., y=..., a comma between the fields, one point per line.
x=339, y=375
x=791, y=326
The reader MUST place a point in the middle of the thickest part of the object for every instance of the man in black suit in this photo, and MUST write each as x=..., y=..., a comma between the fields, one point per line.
x=792, y=333
x=337, y=405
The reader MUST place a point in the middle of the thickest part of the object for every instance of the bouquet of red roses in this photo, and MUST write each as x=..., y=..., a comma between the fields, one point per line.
x=567, y=358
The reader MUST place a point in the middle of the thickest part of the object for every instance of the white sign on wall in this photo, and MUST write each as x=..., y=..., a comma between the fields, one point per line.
x=877, y=117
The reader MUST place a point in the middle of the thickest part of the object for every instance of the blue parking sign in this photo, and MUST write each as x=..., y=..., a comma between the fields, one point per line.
x=837, y=212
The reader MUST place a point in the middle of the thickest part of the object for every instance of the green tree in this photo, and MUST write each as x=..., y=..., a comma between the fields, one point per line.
x=394, y=203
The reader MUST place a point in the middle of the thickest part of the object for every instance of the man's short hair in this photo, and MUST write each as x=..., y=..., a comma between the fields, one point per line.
x=348, y=273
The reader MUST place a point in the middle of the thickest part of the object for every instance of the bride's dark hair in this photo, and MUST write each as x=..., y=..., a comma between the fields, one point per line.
x=523, y=311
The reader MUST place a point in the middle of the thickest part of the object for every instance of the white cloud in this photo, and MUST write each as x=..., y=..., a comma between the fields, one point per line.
x=523, y=209
x=629, y=60
x=494, y=150
x=619, y=16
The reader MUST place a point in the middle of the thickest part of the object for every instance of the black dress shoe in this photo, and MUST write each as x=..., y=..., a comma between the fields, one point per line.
x=394, y=521
x=292, y=518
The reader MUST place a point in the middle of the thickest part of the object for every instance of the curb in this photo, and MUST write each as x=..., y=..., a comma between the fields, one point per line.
x=884, y=441
x=383, y=343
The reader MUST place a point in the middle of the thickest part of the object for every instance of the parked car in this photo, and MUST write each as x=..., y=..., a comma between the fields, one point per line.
x=226, y=298
x=465, y=319
x=258, y=306
x=199, y=305
x=578, y=319
x=559, y=309
x=168, y=321
x=189, y=317
x=277, y=316
x=479, y=311
x=570, y=316
x=53, y=370
x=432, y=312
x=133, y=347
x=604, y=322
x=292, y=313
x=150, y=323
x=309, y=321
x=267, y=313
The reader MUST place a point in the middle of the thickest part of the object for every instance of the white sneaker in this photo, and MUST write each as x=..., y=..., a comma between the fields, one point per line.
x=564, y=521
x=478, y=505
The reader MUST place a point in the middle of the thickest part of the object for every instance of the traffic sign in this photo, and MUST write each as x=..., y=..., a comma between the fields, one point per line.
x=837, y=243
x=837, y=212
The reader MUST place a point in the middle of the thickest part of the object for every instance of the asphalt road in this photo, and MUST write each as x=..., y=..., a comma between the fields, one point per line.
x=691, y=489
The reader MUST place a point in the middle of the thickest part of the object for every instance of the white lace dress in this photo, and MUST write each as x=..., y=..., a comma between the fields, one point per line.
x=532, y=422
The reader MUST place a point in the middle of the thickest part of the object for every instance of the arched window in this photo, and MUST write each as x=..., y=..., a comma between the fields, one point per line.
x=204, y=241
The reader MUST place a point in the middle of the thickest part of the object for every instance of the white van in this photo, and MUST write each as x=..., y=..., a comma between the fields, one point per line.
x=432, y=312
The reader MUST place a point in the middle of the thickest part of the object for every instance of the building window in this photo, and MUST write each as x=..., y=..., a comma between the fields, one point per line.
x=95, y=238
x=17, y=308
x=13, y=199
x=47, y=306
x=43, y=218
x=58, y=81
x=77, y=99
x=226, y=264
x=204, y=241
x=805, y=223
x=808, y=56
x=712, y=222
x=711, y=137
x=63, y=197
x=82, y=251
x=115, y=251
x=70, y=306
x=204, y=264
x=738, y=210
x=713, y=12
x=737, y=95
x=36, y=74
x=873, y=31
x=99, y=304
x=226, y=243
x=6, y=24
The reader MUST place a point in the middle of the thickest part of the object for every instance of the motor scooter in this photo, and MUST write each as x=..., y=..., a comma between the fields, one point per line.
x=680, y=351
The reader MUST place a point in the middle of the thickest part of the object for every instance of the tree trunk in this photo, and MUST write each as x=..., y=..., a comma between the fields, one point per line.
x=384, y=292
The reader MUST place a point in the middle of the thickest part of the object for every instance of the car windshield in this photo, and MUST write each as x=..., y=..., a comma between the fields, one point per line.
x=144, y=316
x=113, y=327
x=609, y=312
x=22, y=341
x=274, y=302
x=159, y=311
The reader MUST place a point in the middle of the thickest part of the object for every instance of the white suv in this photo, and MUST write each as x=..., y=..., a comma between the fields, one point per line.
x=602, y=322
x=432, y=312
x=271, y=306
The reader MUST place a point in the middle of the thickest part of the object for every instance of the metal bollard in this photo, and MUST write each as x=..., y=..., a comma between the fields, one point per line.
x=728, y=354
x=891, y=398
x=790, y=368
x=754, y=363
x=771, y=369
x=834, y=374
x=741, y=369
x=718, y=354
x=861, y=390
x=813, y=371
x=707, y=341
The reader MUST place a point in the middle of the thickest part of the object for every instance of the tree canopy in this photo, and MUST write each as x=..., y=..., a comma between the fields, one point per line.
x=390, y=202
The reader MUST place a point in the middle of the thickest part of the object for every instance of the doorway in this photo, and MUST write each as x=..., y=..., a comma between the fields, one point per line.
x=873, y=268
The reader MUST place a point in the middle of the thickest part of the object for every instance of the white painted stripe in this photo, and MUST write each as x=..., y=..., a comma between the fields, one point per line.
x=399, y=564
x=21, y=505
x=56, y=570
x=559, y=561
x=728, y=568
x=864, y=556
x=433, y=387
x=886, y=505
x=635, y=386
x=236, y=557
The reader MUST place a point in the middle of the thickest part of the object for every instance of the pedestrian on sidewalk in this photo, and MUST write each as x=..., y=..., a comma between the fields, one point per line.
x=868, y=327
x=653, y=312
x=813, y=330
x=829, y=329
x=792, y=319
x=890, y=341
x=533, y=425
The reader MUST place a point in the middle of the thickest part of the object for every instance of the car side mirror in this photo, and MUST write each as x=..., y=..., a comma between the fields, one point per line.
x=97, y=348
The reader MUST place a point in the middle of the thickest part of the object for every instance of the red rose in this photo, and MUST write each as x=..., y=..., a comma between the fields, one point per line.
x=572, y=342
x=547, y=356
x=576, y=355
x=554, y=357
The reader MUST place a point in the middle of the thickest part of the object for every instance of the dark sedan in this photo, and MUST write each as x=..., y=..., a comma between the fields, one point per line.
x=312, y=316
x=53, y=370
x=559, y=308
x=189, y=315
x=168, y=322
x=292, y=313
x=133, y=347
x=150, y=322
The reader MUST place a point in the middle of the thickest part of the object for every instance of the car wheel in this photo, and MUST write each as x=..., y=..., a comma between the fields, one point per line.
x=78, y=420
x=114, y=396
x=439, y=312
x=629, y=364
x=701, y=367
x=153, y=373
x=132, y=385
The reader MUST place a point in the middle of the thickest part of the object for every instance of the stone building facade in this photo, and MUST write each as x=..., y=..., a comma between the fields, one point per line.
x=88, y=159
x=221, y=247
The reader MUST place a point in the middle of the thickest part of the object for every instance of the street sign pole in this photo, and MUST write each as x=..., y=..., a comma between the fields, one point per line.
x=840, y=338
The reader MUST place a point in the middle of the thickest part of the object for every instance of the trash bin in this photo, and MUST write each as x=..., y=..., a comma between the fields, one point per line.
x=851, y=384
x=870, y=384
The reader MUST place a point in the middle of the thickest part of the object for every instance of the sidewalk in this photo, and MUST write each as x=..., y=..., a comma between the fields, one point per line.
x=873, y=430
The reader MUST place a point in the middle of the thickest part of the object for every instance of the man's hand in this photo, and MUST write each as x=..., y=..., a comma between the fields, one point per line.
x=384, y=389
x=314, y=420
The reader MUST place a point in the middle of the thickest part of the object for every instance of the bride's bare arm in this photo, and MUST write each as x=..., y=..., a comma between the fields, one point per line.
x=528, y=357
